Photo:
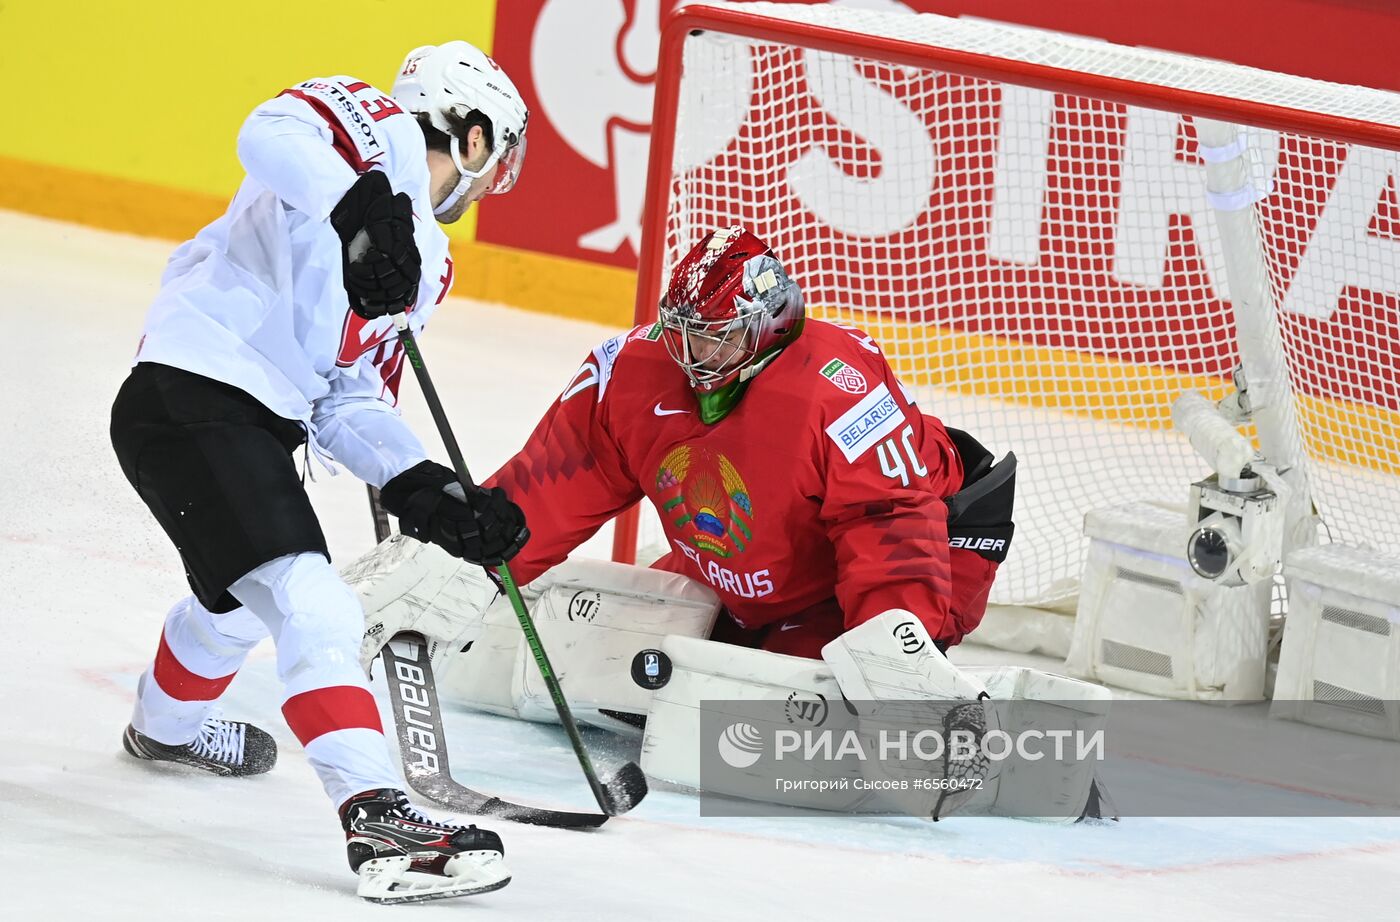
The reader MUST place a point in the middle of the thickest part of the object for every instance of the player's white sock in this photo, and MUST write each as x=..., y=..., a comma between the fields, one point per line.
x=198, y=656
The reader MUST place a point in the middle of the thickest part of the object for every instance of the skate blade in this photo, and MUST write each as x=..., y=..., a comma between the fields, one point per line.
x=401, y=880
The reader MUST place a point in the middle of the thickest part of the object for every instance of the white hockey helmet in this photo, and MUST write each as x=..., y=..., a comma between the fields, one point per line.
x=457, y=77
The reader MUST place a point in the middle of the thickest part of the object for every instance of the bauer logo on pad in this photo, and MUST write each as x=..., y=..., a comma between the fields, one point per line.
x=845, y=377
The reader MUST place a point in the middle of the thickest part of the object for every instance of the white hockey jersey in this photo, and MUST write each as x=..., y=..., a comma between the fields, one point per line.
x=257, y=300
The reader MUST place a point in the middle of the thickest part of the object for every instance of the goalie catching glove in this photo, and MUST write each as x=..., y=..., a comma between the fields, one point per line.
x=380, y=258
x=480, y=526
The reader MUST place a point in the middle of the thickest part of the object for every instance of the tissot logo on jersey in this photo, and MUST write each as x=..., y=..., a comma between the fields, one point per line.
x=863, y=425
x=339, y=101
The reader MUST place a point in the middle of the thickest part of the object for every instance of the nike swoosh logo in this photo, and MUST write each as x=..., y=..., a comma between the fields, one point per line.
x=660, y=412
x=787, y=627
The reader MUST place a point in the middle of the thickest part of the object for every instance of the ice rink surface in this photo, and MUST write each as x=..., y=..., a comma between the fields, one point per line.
x=88, y=833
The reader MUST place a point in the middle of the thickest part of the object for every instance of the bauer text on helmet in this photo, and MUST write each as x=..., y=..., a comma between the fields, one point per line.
x=454, y=79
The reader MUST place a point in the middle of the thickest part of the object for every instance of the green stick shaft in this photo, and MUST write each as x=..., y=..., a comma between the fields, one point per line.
x=522, y=614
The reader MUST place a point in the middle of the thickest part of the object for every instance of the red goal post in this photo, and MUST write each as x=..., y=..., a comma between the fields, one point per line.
x=1056, y=326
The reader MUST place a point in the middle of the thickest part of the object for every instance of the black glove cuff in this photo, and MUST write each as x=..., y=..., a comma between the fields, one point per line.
x=486, y=528
x=424, y=476
x=351, y=213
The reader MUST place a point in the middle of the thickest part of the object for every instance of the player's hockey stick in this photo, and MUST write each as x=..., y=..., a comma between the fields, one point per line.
x=627, y=786
x=422, y=741
x=381, y=515
x=423, y=746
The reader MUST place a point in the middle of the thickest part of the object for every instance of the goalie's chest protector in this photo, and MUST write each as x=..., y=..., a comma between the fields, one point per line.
x=746, y=502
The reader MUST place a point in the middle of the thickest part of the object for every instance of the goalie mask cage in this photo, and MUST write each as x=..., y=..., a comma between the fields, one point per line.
x=1052, y=237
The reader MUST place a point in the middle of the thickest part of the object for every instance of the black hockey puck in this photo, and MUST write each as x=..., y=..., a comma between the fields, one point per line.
x=651, y=669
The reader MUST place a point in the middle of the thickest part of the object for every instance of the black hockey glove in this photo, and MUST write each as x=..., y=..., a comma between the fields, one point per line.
x=484, y=527
x=379, y=256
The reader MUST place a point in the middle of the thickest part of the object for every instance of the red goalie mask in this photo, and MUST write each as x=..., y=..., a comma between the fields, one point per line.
x=729, y=307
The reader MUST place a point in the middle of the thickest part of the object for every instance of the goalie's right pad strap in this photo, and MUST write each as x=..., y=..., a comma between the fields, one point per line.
x=893, y=674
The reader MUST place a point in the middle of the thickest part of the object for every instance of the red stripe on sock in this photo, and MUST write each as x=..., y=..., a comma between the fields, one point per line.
x=181, y=684
x=325, y=710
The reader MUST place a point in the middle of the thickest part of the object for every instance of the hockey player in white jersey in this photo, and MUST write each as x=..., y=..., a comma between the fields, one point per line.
x=273, y=330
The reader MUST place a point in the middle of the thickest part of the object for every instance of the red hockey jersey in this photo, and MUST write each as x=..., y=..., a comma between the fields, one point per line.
x=821, y=491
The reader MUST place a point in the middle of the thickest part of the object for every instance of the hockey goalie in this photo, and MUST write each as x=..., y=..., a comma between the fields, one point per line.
x=823, y=532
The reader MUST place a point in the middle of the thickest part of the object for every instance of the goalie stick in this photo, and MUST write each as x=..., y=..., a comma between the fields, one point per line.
x=423, y=746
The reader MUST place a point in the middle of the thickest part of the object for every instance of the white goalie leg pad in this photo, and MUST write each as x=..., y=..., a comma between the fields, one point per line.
x=709, y=671
x=595, y=617
x=891, y=657
x=704, y=670
x=406, y=585
x=476, y=672
x=1054, y=790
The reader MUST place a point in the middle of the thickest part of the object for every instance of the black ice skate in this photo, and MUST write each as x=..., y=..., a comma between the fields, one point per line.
x=224, y=747
x=404, y=857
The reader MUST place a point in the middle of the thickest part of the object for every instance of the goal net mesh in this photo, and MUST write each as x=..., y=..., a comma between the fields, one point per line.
x=1043, y=268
